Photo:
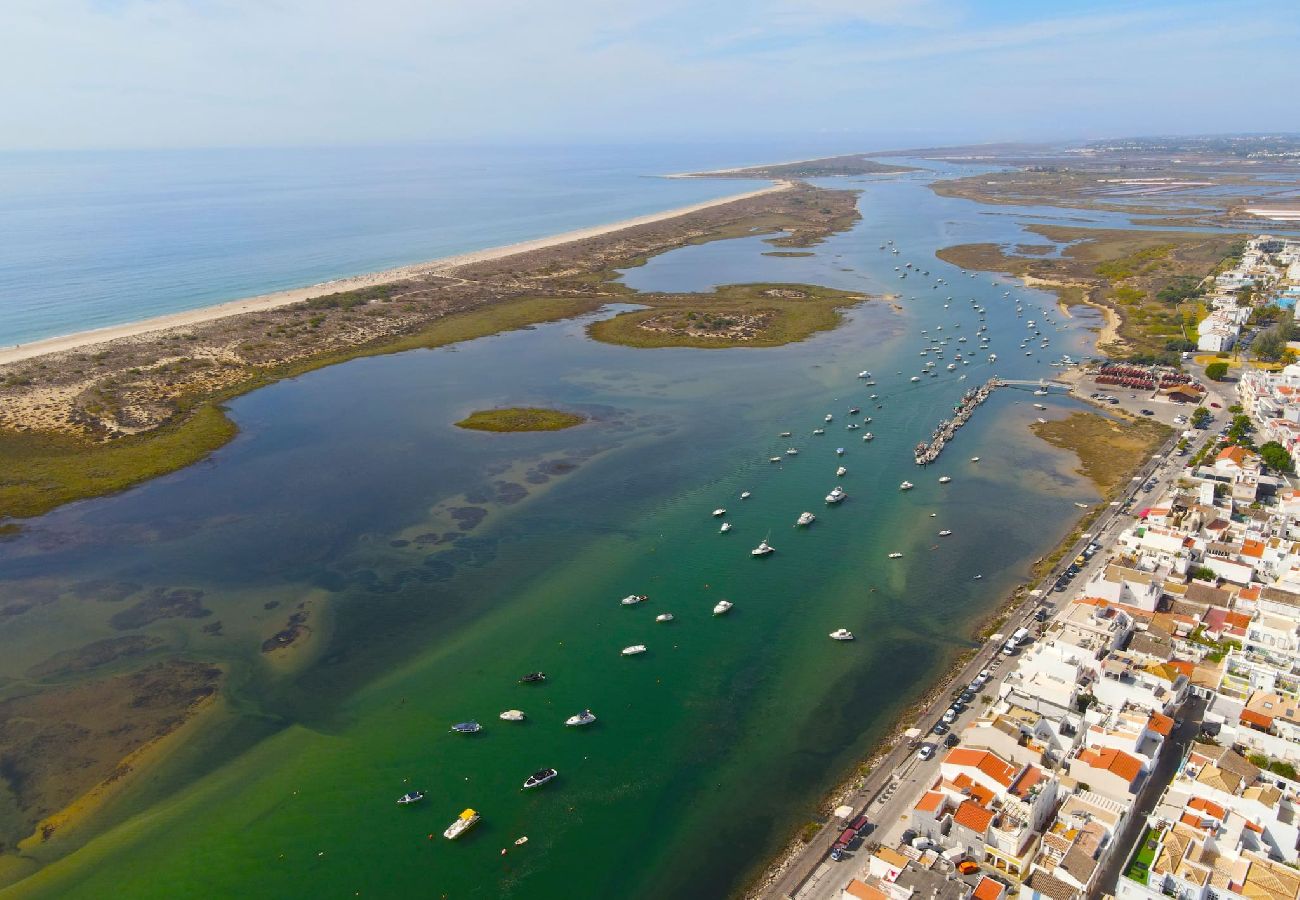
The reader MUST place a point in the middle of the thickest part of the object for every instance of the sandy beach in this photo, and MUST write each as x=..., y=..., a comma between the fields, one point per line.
x=444, y=266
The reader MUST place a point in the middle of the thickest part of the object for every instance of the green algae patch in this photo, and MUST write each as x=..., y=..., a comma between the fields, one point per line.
x=521, y=418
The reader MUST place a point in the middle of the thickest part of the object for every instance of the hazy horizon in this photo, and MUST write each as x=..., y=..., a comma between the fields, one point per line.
x=160, y=74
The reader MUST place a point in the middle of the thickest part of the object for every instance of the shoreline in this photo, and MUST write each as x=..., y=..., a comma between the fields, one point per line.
x=440, y=267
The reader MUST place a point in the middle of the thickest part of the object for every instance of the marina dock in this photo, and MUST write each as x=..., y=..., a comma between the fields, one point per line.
x=927, y=453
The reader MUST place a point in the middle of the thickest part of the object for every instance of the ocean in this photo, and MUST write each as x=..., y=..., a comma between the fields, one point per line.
x=436, y=566
x=93, y=239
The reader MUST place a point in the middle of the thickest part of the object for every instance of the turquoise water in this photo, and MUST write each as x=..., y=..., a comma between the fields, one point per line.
x=713, y=746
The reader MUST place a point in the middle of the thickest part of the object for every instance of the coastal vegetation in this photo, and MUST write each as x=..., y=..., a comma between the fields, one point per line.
x=1148, y=280
x=88, y=422
x=829, y=167
x=740, y=315
x=520, y=418
x=1107, y=448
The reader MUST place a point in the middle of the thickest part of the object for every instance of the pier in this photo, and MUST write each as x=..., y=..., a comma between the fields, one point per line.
x=927, y=453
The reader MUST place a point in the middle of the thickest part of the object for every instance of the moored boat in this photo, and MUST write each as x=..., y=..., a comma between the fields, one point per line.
x=634, y=650
x=720, y=511
x=470, y=727
x=533, y=678
x=806, y=518
x=836, y=495
x=841, y=634
x=906, y=486
x=726, y=526
x=944, y=479
x=839, y=451
x=633, y=599
x=945, y=533
x=792, y=452
x=868, y=436
x=540, y=777
x=895, y=555
x=512, y=715
x=745, y=495
x=408, y=798
x=721, y=607
x=664, y=617
x=763, y=549
x=842, y=471
x=586, y=717
x=464, y=822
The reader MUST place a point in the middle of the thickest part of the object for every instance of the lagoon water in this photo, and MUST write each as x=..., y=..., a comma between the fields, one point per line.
x=439, y=565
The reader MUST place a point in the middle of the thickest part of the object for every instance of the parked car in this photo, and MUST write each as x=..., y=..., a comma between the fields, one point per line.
x=926, y=751
x=1147, y=412
x=951, y=740
x=950, y=716
x=940, y=728
x=859, y=823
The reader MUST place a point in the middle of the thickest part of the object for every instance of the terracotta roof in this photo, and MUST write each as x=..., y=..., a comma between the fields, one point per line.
x=973, y=816
x=989, y=763
x=1160, y=724
x=1207, y=806
x=987, y=889
x=1236, y=454
x=1050, y=886
x=930, y=801
x=865, y=891
x=1115, y=761
x=1026, y=781
x=1252, y=548
x=1192, y=819
x=1250, y=717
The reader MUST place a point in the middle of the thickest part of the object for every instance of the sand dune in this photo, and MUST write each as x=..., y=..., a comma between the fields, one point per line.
x=437, y=267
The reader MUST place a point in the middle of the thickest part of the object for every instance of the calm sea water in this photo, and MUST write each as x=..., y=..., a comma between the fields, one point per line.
x=713, y=746
x=96, y=239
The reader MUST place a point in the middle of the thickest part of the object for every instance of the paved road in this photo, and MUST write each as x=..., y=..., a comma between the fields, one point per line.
x=896, y=784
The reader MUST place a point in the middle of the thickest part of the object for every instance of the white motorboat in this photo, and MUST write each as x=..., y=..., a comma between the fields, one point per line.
x=842, y=471
x=634, y=599
x=852, y=426
x=512, y=715
x=763, y=549
x=410, y=797
x=839, y=451
x=952, y=367
x=539, y=778
x=786, y=433
x=792, y=452
x=1042, y=421
x=864, y=374
x=944, y=479
x=1039, y=406
x=464, y=822
x=906, y=486
x=774, y=459
x=586, y=717
x=895, y=555
x=806, y=518
x=721, y=607
x=664, y=617
x=726, y=526
x=916, y=377
x=719, y=511
x=745, y=495
x=944, y=533
x=829, y=417
x=819, y=431
x=841, y=634
x=634, y=650
x=974, y=459
x=836, y=495
x=868, y=436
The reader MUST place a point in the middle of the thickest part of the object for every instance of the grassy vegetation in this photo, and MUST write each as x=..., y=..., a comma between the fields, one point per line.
x=1108, y=449
x=39, y=472
x=1140, y=864
x=790, y=313
x=521, y=418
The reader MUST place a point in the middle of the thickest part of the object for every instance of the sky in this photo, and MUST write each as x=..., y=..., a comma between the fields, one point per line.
x=214, y=73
